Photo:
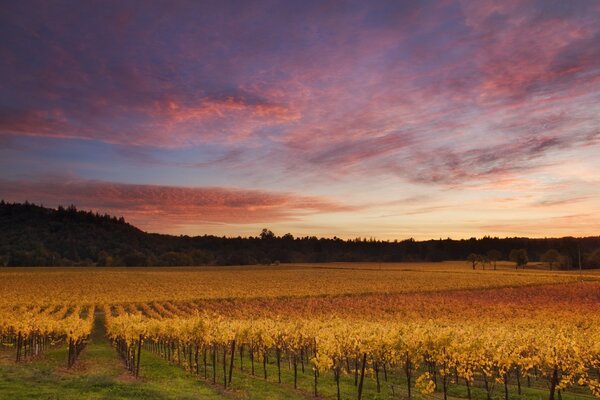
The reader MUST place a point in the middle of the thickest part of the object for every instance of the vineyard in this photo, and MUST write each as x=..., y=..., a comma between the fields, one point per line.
x=468, y=334
x=32, y=329
x=122, y=285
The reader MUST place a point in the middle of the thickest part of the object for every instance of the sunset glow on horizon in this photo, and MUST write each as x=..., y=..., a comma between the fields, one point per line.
x=385, y=119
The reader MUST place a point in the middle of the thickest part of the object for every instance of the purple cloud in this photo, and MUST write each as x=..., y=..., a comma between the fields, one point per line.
x=439, y=94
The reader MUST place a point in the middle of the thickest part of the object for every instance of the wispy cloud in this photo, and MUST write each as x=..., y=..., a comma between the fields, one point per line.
x=161, y=208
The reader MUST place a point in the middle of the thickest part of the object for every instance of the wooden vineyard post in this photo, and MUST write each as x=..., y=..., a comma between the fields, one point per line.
x=137, y=367
x=231, y=360
x=362, y=376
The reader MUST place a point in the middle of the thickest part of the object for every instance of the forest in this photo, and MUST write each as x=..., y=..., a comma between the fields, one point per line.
x=33, y=235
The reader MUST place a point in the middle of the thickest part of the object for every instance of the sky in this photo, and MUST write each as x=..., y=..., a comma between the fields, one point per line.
x=384, y=119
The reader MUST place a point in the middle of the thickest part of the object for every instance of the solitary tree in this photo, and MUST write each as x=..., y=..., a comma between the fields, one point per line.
x=519, y=257
x=474, y=259
x=266, y=234
x=551, y=257
x=494, y=256
x=484, y=260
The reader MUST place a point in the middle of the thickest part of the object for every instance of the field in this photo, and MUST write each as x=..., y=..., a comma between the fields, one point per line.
x=331, y=331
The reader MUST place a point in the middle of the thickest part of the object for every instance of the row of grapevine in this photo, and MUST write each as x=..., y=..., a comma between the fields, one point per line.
x=430, y=355
x=501, y=304
x=126, y=333
x=30, y=330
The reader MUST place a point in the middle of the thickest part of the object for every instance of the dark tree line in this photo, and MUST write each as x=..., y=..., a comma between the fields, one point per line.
x=32, y=235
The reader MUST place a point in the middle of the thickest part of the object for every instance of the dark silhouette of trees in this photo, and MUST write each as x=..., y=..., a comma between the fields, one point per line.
x=593, y=260
x=484, y=261
x=136, y=258
x=551, y=257
x=494, y=256
x=32, y=235
x=519, y=257
x=174, y=259
x=474, y=259
x=267, y=234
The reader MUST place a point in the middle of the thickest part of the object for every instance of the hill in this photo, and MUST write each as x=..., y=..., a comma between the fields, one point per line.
x=32, y=235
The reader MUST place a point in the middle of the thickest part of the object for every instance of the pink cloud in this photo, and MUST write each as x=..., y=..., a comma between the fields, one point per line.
x=160, y=208
x=529, y=50
x=584, y=224
x=165, y=123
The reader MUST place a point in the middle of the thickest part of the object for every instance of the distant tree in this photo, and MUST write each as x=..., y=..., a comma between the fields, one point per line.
x=288, y=236
x=474, y=259
x=494, y=256
x=519, y=257
x=551, y=257
x=266, y=234
x=20, y=258
x=135, y=258
x=593, y=260
x=175, y=259
x=484, y=260
x=202, y=257
x=105, y=259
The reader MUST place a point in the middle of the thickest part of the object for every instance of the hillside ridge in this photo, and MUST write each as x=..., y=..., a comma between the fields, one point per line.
x=33, y=235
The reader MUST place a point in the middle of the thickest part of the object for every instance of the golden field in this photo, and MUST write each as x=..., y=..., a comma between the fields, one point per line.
x=435, y=330
x=45, y=286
